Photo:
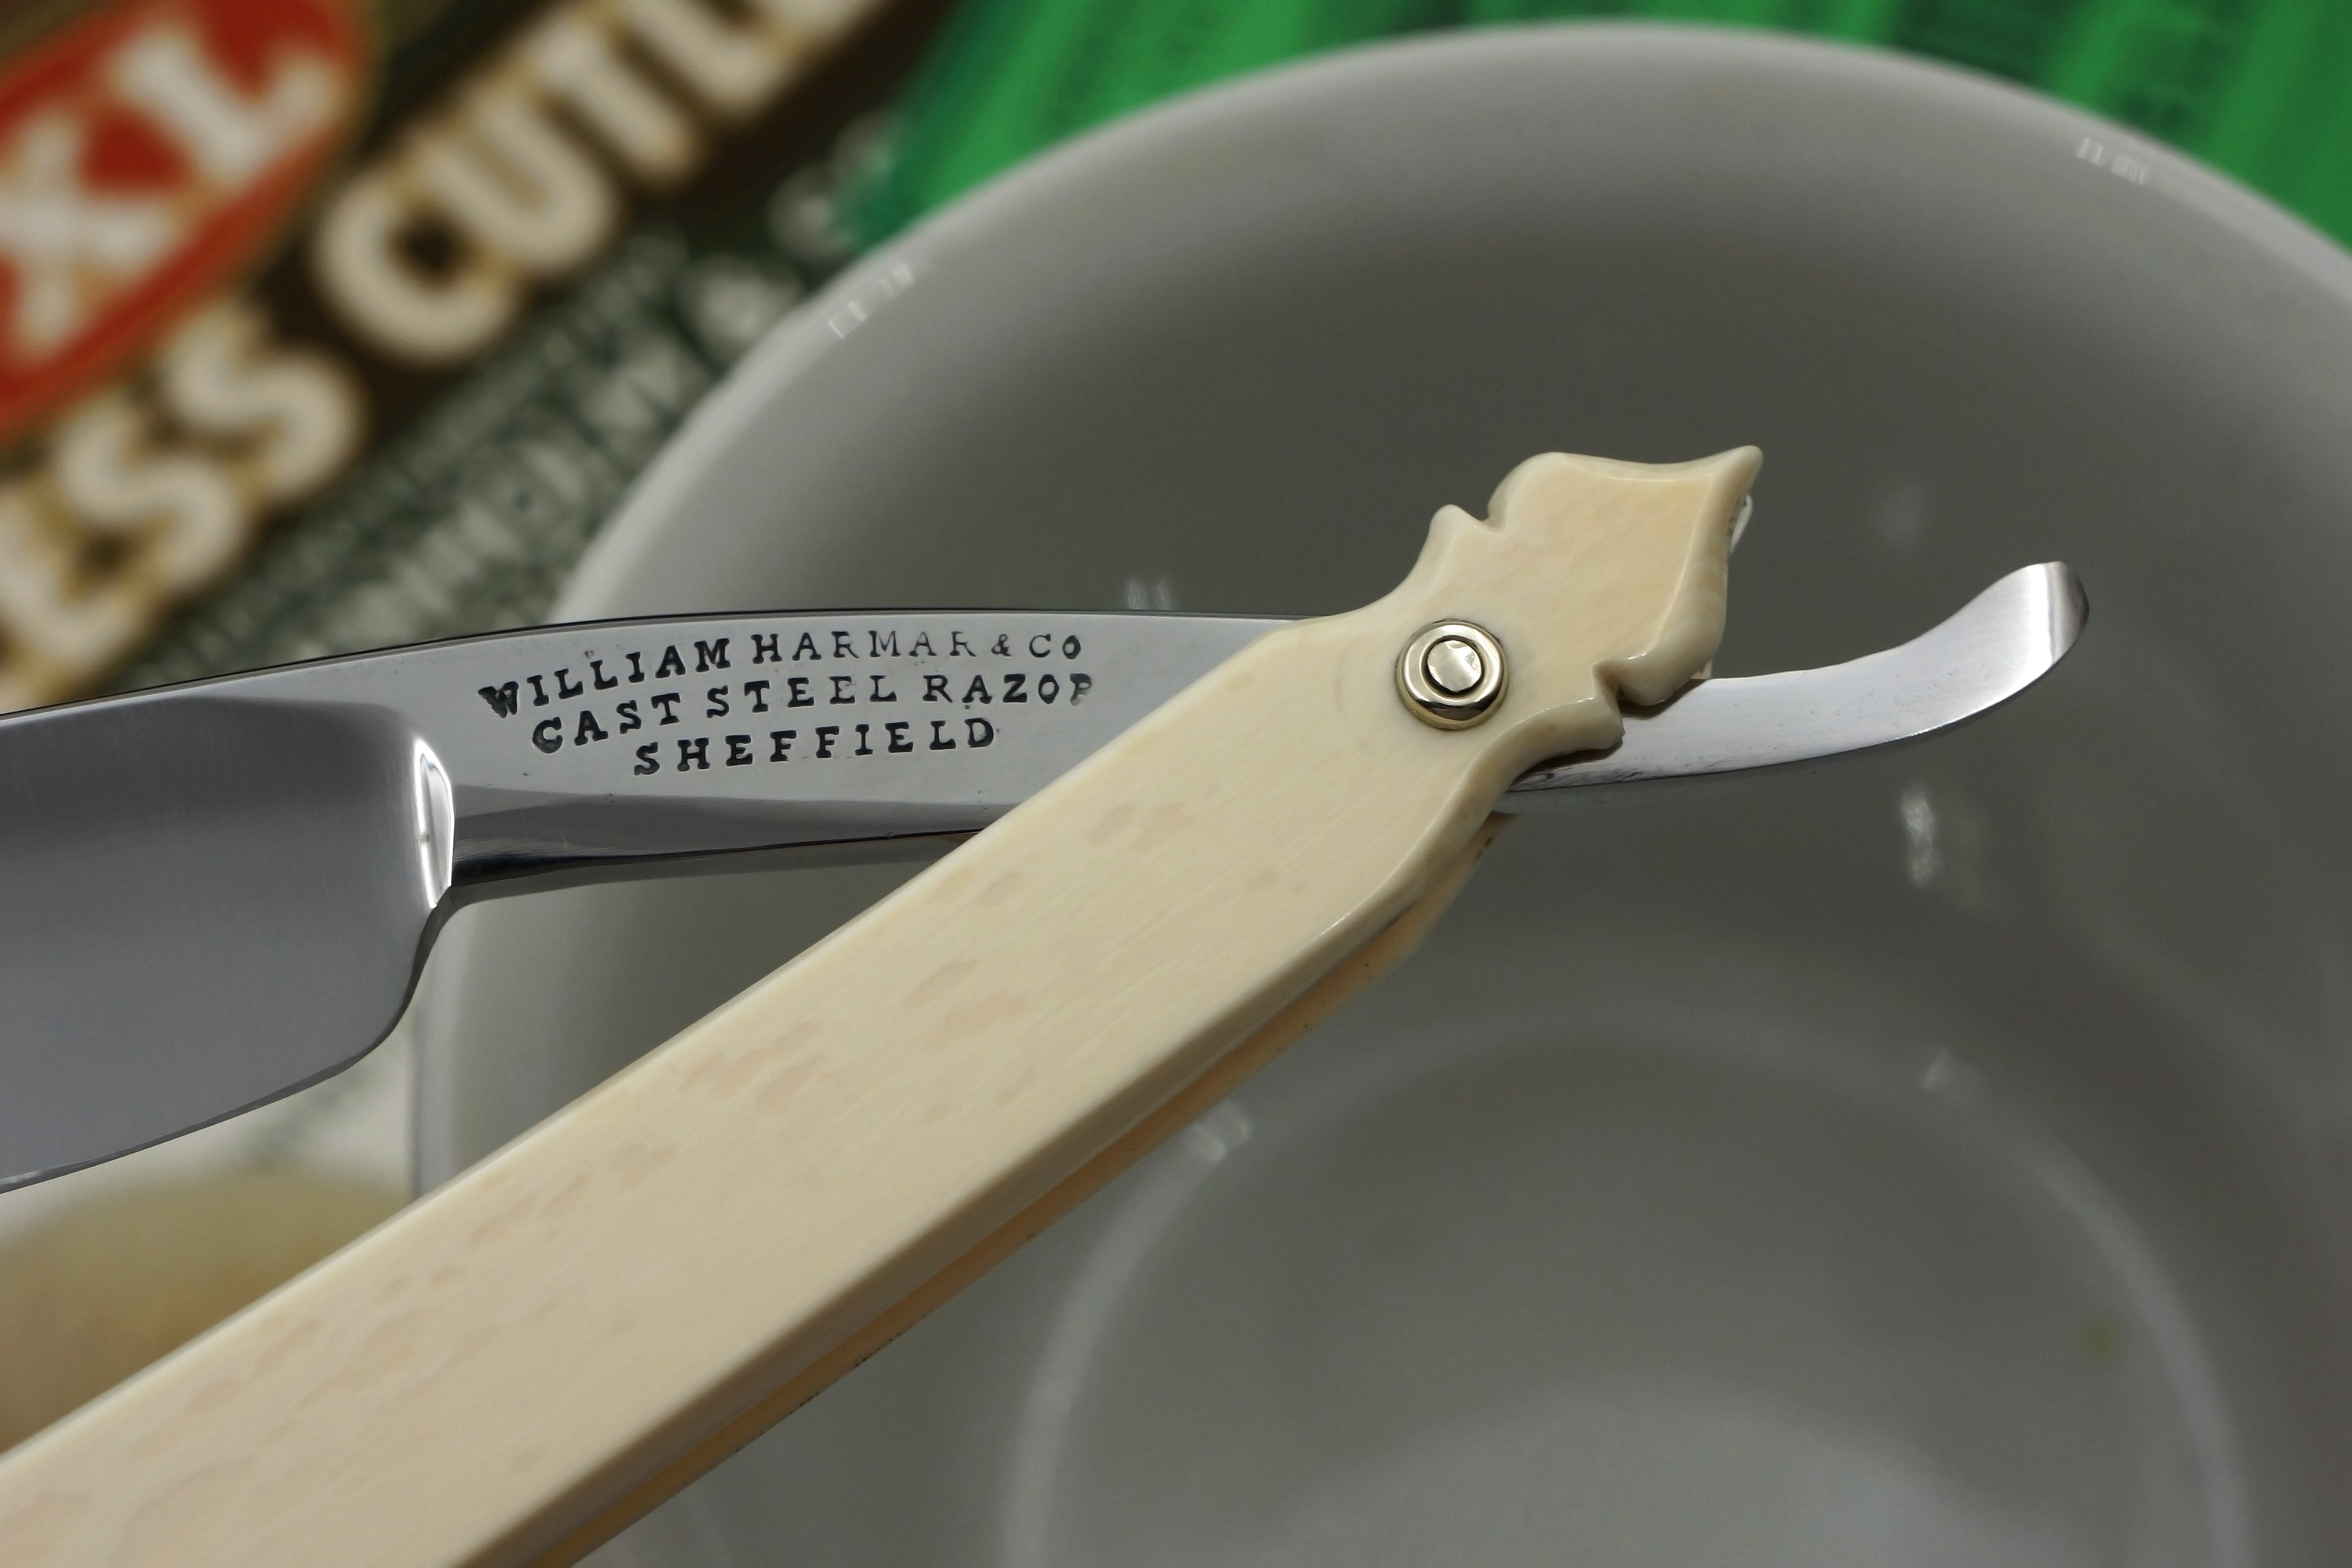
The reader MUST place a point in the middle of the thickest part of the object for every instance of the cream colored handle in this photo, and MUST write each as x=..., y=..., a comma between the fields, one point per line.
x=511, y=1368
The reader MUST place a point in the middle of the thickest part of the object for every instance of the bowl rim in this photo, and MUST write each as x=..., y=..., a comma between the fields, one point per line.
x=2203, y=196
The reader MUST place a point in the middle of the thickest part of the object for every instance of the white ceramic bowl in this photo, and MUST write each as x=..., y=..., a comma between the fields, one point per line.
x=1938, y=1159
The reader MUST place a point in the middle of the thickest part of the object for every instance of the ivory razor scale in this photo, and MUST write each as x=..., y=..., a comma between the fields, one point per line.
x=1195, y=835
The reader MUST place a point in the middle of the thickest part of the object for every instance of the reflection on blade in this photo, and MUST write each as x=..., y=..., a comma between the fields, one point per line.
x=2002, y=642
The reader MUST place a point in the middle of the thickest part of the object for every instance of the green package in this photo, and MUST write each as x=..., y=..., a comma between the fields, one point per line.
x=2254, y=87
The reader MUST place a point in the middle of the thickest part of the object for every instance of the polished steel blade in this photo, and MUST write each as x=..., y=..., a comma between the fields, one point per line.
x=214, y=894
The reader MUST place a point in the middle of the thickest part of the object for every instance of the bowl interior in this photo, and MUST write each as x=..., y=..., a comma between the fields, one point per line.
x=1936, y=1158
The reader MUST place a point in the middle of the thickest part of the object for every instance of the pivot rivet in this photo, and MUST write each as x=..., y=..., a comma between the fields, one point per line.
x=1451, y=674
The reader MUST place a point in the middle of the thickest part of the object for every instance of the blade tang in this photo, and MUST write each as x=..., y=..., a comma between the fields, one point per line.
x=2001, y=642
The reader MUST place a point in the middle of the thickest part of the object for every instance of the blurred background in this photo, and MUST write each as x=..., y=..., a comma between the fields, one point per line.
x=326, y=327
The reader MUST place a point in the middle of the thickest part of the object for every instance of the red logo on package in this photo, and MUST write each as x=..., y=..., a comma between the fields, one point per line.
x=147, y=152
